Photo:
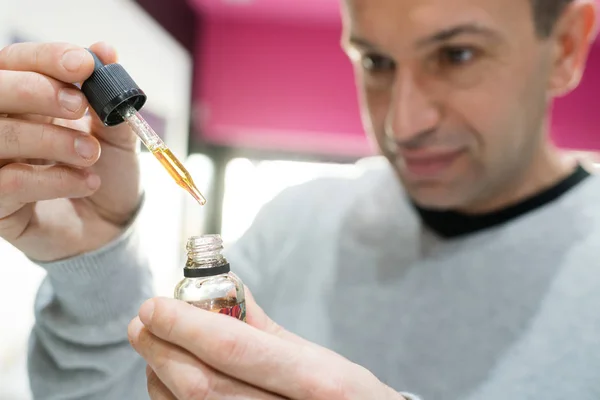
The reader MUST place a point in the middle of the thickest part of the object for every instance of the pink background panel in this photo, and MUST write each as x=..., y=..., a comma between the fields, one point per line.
x=285, y=84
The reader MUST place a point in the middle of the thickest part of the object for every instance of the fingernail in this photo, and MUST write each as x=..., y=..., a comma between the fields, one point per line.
x=92, y=182
x=70, y=99
x=72, y=59
x=146, y=311
x=134, y=328
x=86, y=147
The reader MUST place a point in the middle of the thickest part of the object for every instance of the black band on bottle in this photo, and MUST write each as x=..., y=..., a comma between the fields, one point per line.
x=204, y=272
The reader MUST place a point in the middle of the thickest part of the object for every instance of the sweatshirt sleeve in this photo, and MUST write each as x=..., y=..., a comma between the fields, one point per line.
x=410, y=396
x=79, y=347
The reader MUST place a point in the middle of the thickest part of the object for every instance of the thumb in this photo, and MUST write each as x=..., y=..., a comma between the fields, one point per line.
x=105, y=52
x=256, y=317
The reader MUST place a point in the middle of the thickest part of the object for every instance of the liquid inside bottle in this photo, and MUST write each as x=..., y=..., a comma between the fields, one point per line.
x=208, y=282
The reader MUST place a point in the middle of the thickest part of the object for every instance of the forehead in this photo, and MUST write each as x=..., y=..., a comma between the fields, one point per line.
x=397, y=20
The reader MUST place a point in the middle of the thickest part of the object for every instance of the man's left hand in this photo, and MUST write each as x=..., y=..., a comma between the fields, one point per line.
x=197, y=354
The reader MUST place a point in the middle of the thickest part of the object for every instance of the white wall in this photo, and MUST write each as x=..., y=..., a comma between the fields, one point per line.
x=163, y=70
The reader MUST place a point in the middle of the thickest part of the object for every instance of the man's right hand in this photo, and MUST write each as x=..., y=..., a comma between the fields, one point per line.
x=68, y=184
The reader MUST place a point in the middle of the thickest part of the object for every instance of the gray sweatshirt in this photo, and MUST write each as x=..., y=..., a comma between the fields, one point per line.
x=495, y=307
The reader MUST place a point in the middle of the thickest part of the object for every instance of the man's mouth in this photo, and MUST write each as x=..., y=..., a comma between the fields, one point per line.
x=426, y=163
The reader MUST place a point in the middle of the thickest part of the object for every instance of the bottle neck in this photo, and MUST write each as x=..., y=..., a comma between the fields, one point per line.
x=205, y=272
x=204, y=256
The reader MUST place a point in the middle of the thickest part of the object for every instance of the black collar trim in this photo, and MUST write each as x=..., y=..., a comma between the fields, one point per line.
x=451, y=224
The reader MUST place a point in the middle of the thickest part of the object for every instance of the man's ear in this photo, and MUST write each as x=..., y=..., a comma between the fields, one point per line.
x=573, y=34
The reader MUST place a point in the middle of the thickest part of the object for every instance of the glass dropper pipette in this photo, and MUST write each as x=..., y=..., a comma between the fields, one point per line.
x=157, y=147
x=116, y=98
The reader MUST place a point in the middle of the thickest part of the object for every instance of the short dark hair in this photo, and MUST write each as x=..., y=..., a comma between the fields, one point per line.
x=546, y=13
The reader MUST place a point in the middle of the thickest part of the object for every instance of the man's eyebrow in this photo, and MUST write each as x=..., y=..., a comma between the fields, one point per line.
x=356, y=41
x=440, y=36
x=458, y=30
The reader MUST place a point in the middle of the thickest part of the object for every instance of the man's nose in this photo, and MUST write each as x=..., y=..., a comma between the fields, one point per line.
x=413, y=111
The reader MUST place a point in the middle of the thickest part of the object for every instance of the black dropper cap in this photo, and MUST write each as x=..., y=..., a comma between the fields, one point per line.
x=108, y=87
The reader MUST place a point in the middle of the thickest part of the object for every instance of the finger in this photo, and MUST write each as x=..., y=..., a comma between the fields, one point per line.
x=246, y=353
x=156, y=389
x=62, y=61
x=31, y=92
x=24, y=139
x=23, y=183
x=81, y=125
x=13, y=226
x=42, y=119
x=184, y=375
x=120, y=137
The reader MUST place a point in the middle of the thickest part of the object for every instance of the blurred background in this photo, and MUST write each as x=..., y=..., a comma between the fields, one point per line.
x=254, y=96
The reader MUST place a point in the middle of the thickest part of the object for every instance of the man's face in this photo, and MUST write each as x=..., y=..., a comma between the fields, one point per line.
x=453, y=91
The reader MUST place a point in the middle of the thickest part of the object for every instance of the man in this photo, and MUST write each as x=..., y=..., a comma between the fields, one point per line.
x=484, y=285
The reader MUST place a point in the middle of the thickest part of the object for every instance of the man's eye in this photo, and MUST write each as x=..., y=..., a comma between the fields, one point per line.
x=377, y=63
x=457, y=55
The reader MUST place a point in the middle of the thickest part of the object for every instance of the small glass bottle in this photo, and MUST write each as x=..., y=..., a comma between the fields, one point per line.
x=208, y=282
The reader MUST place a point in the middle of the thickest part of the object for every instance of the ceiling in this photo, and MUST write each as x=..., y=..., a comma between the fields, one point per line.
x=306, y=11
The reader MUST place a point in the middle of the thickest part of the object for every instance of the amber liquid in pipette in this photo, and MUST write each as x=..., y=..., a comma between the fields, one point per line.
x=178, y=172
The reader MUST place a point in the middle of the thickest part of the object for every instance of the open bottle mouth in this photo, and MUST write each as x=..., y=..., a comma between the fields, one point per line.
x=205, y=251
